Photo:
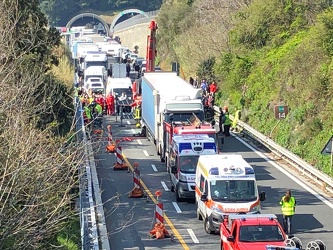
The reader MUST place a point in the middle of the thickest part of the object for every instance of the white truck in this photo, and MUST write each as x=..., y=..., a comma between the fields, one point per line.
x=94, y=58
x=225, y=184
x=83, y=48
x=167, y=98
x=119, y=70
x=183, y=159
x=95, y=72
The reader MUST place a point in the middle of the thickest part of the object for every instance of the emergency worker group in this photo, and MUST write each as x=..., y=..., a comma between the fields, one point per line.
x=95, y=104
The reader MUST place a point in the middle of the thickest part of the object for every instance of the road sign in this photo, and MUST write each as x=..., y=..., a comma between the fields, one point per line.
x=281, y=111
x=327, y=150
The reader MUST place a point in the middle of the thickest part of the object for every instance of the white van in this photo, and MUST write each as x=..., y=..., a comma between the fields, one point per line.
x=225, y=184
x=117, y=86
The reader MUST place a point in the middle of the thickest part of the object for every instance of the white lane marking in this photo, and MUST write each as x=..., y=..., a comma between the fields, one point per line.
x=177, y=207
x=145, y=152
x=128, y=122
x=194, y=238
x=154, y=167
x=133, y=131
x=164, y=186
x=139, y=142
x=307, y=188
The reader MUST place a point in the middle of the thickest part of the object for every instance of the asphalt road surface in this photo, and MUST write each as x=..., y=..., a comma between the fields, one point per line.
x=129, y=220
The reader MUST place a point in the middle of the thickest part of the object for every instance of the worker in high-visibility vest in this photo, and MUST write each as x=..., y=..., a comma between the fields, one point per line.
x=288, y=204
x=137, y=115
x=237, y=117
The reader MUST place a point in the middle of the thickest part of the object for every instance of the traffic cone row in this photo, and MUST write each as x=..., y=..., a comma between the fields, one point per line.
x=159, y=231
x=137, y=191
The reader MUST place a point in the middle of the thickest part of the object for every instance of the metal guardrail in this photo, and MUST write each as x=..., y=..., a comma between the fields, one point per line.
x=92, y=220
x=325, y=181
x=89, y=233
x=138, y=19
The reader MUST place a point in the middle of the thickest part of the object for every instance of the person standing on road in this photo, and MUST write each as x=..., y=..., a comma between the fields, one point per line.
x=227, y=122
x=288, y=204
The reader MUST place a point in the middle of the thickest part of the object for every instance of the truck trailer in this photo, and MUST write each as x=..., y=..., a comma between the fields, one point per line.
x=167, y=97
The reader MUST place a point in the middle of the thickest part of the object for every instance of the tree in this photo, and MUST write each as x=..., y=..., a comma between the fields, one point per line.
x=36, y=178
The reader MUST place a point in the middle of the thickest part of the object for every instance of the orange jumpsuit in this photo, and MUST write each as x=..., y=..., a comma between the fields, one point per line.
x=110, y=104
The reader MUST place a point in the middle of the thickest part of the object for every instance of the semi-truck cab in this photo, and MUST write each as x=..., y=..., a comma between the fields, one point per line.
x=184, y=154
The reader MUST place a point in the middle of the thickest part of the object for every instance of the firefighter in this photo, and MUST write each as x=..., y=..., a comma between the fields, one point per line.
x=110, y=104
x=288, y=204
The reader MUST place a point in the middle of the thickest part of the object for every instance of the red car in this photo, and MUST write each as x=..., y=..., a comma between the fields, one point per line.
x=249, y=232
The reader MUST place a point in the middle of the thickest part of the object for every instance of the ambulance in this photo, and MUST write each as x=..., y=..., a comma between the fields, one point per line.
x=183, y=158
x=225, y=184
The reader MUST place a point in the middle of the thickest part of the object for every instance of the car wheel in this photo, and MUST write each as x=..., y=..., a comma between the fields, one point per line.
x=207, y=226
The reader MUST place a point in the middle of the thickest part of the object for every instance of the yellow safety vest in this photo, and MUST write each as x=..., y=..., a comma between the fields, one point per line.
x=236, y=119
x=288, y=208
x=137, y=113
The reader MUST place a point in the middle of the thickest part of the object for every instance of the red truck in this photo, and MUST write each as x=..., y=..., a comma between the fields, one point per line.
x=255, y=231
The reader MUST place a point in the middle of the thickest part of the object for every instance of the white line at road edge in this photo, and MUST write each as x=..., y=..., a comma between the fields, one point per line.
x=164, y=186
x=179, y=211
x=154, y=168
x=139, y=142
x=145, y=152
x=194, y=238
x=307, y=188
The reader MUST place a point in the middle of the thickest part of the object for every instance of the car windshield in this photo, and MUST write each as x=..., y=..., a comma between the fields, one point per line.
x=183, y=117
x=96, y=85
x=127, y=91
x=188, y=164
x=98, y=91
x=233, y=190
x=262, y=233
x=95, y=80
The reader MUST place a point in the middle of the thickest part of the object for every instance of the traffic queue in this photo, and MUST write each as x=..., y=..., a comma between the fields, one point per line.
x=222, y=185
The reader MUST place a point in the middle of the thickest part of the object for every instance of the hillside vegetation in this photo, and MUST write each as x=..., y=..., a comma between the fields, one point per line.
x=262, y=53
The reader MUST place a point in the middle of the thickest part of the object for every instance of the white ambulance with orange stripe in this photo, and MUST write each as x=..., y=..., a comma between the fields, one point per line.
x=225, y=184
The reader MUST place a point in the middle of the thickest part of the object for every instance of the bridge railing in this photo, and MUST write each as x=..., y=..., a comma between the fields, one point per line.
x=325, y=181
x=92, y=220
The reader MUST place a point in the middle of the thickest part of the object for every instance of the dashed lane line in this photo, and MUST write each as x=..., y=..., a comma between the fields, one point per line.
x=194, y=238
x=139, y=142
x=154, y=167
x=166, y=218
x=164, y=186
x=145, y=152
x=175, y=205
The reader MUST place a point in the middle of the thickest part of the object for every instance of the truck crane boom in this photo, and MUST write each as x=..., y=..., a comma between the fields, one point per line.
x=151, y=47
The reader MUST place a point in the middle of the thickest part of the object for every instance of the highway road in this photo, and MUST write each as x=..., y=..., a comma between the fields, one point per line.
x=129, y=220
